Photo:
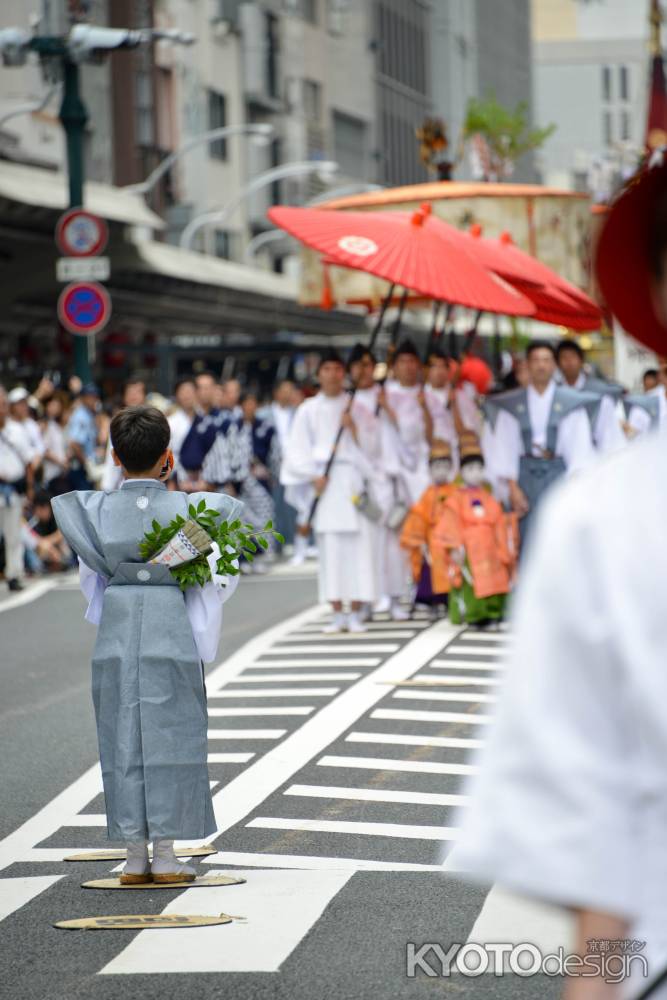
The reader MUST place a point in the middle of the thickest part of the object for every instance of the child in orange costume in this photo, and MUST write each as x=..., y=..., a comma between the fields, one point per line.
x=473, y=531
x=430, y=569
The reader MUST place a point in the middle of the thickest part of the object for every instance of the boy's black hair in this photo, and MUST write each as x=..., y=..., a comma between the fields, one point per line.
x=41, y=498
x=569, y=345
x=330, y=355
x=407, y=346
x=358, y=353
x=651, y=373
x=184, y=380
x=139, y=435
x=437, y=352
x=540, y=345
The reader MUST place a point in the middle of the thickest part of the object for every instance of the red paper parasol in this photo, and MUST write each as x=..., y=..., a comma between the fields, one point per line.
x=411, y=249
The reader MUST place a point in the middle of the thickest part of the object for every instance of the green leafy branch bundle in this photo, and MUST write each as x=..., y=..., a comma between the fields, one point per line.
x=235, y=539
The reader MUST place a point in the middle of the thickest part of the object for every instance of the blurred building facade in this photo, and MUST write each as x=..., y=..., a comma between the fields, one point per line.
x=591, y=80
x=479, y=48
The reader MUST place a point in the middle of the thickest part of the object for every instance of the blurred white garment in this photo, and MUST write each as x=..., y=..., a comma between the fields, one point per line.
x=112, y=475
x=309, y=445
x=638, y=418
x=54, y=442
x=570, y=804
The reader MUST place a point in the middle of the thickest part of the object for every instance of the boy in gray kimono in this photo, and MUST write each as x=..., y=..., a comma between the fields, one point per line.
x=148, y=677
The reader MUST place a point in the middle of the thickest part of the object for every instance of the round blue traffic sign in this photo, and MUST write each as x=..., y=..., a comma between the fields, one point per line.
x=84, y=307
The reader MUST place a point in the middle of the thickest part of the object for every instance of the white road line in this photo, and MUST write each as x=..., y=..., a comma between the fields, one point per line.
x=399, y=739
x=224, y=713
x=444, y=695
x=458, y=681
x=246, y=734
x=389, y=764
x=367, y=829
x=87, y=819
x=30, y=594
x=279, y=693
x=376, y=795
x=507, y=916
x=467, y=718
x=490, y=637
x=279, y=650
x=353, y=636
x=394, y=628
x=311, y=862
x=488, y=651
x=230, y=758
x=48, y=820
x=279, y=908
x=349, y=675
x=467, y=665
x=16, y=892
x=349, y=661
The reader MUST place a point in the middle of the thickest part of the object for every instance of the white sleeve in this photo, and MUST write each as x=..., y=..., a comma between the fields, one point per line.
x=299, y=464
x=93, y=586
x=575, y=440
x=203, y=606
x=639, y=420
x=608, y=431
x=111, y=474
x=507, y=447
x=555, y=807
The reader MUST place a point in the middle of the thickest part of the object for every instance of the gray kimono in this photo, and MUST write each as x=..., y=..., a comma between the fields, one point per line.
x=148, y=680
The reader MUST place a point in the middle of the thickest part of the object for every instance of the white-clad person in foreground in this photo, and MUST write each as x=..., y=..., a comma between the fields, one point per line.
x=344, y=535
x=570, y=805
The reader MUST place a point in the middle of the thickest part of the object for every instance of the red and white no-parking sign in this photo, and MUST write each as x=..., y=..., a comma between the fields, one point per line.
x=84, y=307
x=81, y=234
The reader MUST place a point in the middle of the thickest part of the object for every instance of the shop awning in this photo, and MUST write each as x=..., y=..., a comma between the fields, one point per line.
x=47, y=189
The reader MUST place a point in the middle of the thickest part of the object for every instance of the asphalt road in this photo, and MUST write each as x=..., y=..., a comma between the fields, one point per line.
x=330, y=787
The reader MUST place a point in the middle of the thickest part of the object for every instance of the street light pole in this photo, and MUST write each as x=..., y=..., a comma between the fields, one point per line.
x=260, y=131
x=73, y=117
x=219, y=217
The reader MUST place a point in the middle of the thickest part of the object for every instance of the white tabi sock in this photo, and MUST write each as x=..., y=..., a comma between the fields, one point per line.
x=165, y=861
x=137, y=857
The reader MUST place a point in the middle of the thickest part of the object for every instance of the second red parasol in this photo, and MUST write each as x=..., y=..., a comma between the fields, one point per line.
x=408, y=249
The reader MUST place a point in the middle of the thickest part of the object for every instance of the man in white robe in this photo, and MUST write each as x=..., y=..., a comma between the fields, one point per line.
x=608, y=420
x=407, y=432
x=344, y=535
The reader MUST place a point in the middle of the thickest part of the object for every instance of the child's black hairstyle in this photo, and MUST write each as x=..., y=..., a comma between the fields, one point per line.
x=358, y=353
x=569, y=345
x=139, y=435
x=407, y=346
x=42, y=498
x=540, y=345
x=330, y=355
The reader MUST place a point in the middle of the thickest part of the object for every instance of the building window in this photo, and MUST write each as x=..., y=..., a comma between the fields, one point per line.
x=349, y=136
x=606, y=83
x=625, y=126
x=217, y=118
x=624, y=83
x=607, y=128
x=336, y=15
x=312, y=100
x=307, y=9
